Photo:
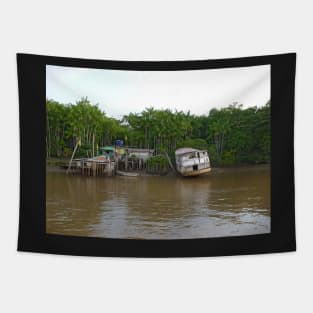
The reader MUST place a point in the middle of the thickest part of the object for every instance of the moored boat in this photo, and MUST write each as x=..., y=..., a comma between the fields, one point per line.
x=192, y=162
x=128, y=174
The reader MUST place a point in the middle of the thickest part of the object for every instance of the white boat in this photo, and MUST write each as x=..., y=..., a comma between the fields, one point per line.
x=129, y=174
x=192, y=162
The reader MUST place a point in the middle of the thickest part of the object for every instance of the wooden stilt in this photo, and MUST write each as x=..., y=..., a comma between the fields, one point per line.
x=126, y=160
x=70, y=164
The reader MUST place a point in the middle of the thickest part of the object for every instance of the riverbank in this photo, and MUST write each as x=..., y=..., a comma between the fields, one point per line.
x=53, y=166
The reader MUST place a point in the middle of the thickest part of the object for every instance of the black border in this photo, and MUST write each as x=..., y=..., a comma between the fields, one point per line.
x=32, y=236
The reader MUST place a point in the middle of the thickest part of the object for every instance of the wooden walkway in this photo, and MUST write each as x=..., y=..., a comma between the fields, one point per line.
x=93, y=167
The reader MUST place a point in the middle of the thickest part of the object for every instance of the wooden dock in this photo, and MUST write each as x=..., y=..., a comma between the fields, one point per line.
x=129, y=162
x=92, y=167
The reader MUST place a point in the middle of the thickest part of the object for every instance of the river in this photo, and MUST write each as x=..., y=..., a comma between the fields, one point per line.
x=228, y=202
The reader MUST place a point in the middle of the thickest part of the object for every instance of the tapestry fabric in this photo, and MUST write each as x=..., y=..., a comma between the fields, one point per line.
x=156, y=158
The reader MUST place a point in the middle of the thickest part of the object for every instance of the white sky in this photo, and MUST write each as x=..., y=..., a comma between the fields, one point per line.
x=121, y=92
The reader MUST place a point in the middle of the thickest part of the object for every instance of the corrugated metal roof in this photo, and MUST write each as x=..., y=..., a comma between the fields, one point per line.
x=185, y=150
x=139, y=150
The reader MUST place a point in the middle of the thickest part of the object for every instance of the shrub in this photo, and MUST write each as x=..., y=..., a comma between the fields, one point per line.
x=157, y=164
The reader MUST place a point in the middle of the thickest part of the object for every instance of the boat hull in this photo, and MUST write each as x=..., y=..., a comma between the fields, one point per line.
x=128, y=174
x=202, y=171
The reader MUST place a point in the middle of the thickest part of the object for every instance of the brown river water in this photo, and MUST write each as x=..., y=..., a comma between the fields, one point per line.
x=227, y=202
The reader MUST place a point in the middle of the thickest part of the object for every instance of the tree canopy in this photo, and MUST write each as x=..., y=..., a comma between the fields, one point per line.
x=232, y=135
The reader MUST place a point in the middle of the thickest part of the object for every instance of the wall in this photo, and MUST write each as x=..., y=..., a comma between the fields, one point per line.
x=160, y=30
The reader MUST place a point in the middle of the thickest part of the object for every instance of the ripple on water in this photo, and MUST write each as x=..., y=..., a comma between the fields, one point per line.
x=159, y=207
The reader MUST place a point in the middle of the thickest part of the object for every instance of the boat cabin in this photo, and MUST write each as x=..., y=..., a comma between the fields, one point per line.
x=143, y=154
x=107, y=151
x=192, y=162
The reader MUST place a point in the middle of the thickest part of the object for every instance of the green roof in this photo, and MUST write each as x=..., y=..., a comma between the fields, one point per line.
x=110, y=148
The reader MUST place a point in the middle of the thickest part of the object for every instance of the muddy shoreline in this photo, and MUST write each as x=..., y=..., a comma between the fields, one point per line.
x=54, y=168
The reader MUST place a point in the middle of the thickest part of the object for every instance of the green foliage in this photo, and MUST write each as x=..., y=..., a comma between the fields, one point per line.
x=158, y=129
x=232, y=135
x=196, y=143
x=157, y=164
x=238, y=135
x=228, y=157
x=84, y=122
x=157, y=160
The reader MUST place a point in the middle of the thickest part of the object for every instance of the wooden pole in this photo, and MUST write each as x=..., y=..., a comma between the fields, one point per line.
x=93, y=145
x=126, y=160
x=170, y=163
x=70, y=164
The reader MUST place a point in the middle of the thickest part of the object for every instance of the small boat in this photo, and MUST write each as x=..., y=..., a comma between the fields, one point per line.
x=129, y=174
x=192, y=162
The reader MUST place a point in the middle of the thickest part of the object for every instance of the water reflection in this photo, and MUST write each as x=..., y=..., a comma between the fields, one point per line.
x=228, y=202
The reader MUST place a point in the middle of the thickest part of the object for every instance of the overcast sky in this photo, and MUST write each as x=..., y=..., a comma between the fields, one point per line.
x=121, y=92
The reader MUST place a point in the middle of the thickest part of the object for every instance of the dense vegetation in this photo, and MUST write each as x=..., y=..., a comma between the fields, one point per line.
x=157, y=164
x=232, y=135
